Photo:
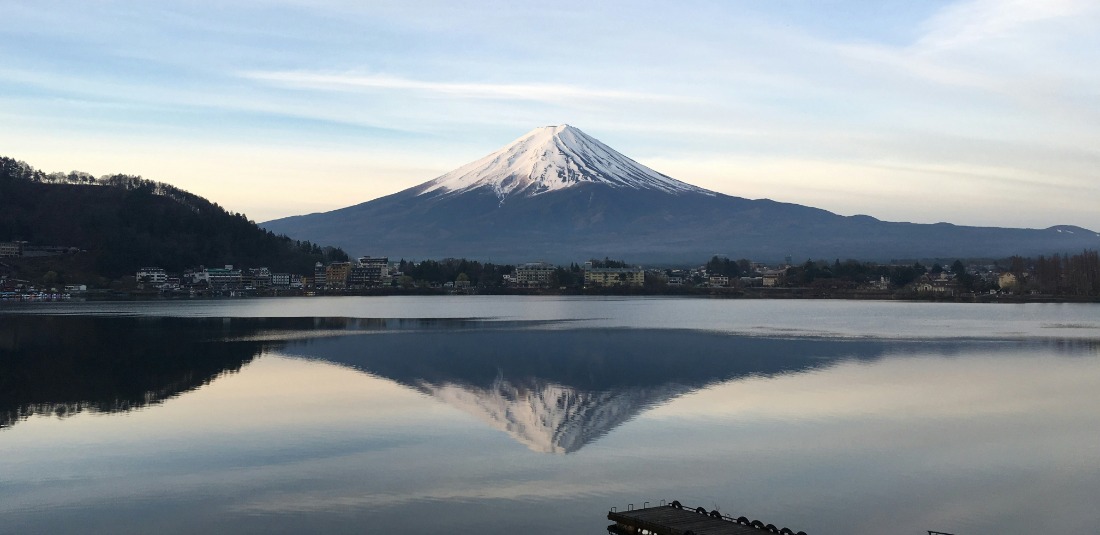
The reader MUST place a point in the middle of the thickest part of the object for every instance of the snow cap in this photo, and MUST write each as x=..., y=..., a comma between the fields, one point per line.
x=552, y=158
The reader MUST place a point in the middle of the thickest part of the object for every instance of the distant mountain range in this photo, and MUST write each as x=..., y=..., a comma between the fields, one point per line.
x=559, y=194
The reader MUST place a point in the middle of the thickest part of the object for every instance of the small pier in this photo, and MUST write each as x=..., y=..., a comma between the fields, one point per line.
x=677, y=519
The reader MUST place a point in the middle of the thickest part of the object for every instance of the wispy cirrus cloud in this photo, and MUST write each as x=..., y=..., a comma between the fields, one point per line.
x=489, y=91
x=967, y=23
x=952, y=103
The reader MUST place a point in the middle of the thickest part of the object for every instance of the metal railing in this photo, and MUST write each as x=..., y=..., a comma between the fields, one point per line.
x=741, y=520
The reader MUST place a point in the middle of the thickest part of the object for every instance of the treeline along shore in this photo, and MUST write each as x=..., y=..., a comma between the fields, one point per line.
x=122, y=237
x=1069, y=278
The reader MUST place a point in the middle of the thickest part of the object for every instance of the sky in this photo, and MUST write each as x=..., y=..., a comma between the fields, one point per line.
x=972, y=112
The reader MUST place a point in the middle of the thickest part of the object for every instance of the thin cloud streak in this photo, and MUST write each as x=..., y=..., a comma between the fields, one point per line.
x=533, y=92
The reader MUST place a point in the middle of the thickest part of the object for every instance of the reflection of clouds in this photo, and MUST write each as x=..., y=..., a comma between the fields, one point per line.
x=968, y=444
x=983, y=384
x=289, y=335
x=329, y=501
x=996, y=442
x=1071, y=326
x=988, y=440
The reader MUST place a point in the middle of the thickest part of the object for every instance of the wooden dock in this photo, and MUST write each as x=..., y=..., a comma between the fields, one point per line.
x=676, y=519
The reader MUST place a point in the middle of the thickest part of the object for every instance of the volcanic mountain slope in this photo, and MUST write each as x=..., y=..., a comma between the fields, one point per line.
x=559, y=194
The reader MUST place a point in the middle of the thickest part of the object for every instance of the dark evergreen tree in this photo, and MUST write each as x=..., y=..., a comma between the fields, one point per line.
x=125, y=222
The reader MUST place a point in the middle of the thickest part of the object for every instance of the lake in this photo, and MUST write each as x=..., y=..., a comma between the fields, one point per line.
x=490, y=414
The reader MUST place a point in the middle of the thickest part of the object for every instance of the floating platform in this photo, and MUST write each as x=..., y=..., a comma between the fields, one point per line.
x=677, y=519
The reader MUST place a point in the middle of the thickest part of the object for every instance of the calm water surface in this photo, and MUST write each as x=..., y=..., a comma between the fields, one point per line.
x=537, y=415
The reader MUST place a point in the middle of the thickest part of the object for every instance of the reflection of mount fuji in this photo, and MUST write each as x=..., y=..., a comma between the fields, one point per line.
x=554, y=390
x=551, y=418
x=558, y=390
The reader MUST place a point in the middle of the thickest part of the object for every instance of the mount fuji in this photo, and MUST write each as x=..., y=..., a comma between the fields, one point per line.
x=561, y=195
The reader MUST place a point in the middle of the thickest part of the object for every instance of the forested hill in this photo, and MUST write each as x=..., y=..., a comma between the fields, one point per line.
x=125, y=222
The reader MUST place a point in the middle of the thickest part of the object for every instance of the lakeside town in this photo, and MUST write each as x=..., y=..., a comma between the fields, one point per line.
x=1057, y=277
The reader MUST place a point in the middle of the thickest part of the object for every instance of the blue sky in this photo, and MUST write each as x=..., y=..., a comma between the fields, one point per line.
x=972, y=112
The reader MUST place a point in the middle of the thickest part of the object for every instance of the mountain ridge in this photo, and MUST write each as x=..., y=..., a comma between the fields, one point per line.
x=125, y=222
x=525, y=201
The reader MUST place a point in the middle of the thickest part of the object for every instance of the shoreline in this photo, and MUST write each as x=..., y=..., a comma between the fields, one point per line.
x=701, y=293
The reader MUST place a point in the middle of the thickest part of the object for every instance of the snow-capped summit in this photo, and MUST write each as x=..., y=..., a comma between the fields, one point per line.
x=552, y=158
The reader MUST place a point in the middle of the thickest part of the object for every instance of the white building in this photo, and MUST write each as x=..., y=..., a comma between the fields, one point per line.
x=534, y=274
x=153, y=276
x=215, y=277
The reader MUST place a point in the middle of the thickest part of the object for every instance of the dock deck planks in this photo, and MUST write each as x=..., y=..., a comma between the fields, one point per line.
x=668, y=520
